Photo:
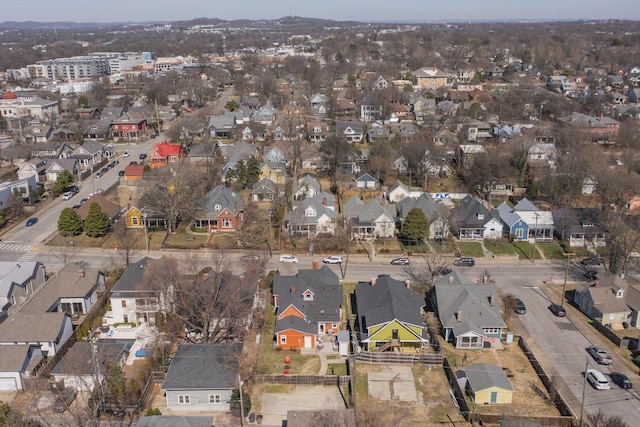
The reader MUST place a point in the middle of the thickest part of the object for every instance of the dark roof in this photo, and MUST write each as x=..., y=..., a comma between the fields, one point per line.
x=108, y=207
x=324, y=417
x=482, y=376
x=132, y=280
x=425, y=203
x=79, y=358
x=385, y=301
x=175, y=421
x=203, y=367
x=470, y=213
x=223, y=196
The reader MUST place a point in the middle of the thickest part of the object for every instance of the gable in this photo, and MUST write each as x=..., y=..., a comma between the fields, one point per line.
x=291, y=310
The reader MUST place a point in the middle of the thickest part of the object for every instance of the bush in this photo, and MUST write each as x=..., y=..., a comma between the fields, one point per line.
x=152, y=411
x=198, y=229
x=384, y=251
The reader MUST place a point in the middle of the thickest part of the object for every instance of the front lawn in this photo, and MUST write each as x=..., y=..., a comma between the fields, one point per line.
x=470, y=249
x=180, y=239
x=526, y=251
x=498, y=247
x=551, y=250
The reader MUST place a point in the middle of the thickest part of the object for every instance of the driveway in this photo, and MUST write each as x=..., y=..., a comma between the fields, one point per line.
x=276, y=405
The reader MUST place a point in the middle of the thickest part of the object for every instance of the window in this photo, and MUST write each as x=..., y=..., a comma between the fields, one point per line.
x=491, y=330
x=217, y=208
x=519, y=233
x=283, y=339
x=226, y=223
x=77, y=307
x=123, y=303
x=215, y=398
x=125, y=318
x=184, y=399
x=134, y=220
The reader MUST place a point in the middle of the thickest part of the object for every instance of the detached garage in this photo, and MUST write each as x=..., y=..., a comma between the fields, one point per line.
x=14, y=362
x=488, y=384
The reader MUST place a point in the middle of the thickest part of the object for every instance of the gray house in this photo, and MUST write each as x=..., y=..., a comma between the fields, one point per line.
x=18, y=280
x=469, y=312
x=313, y=216
x=435, y=212
x=202, y=377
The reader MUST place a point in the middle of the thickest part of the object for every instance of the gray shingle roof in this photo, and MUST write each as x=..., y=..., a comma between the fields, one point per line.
x=364, y=213
x=225, y=198
x=32, y=327
x=79, y=359
x=175, y=421
x=298, y=216
x=14, y=358
x=425, y=203
x=203, y=367
x=16, y=273
x=470, y=213
x=482, y=376
x=132, y=280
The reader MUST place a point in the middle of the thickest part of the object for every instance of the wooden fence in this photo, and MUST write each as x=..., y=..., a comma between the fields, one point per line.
x=408, y=358
x=309, y=380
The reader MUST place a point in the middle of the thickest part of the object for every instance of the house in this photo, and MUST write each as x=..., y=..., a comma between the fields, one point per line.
x=143, y=217
x=33, y=167
x=132, y=299
x=130, y=125
x=46, y=332
x=468, y=312
x=165, y=153
x=73, y=291
x=221, y=209
x=204, y=151
x=602, y=130
x=313, y=216
x=488, y=384
x=265, y=115
x=312, y=158
x=253, y=131
x=308, y=307
x=96, y=130
x=264, y=190
x=397, y=191
x=85, y=365
x=539, y=222
x=175, y=421
x=434, y=212
x=16, y=362
x=542, y=153
x=319, y=106
x=202, y=377
x=9, y=189
x=275, y=155
x=133, y=173
x=223, y=125
x=514, y=226
x=366, y=181
x=18, y=280
x=472, y=220
x=56, y=166
x=317, y=131
x=368, y=220
x=350, y=131
x=37, y=133
x=275, y=172
x=389, y=315
x=307, y=186
x=377, y=132
x=580, y=226
x=431, y=78
x=604, y=303
x=88, y=154
x=111, y=209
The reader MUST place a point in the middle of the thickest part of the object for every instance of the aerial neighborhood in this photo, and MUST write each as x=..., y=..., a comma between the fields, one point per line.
x=314, y=223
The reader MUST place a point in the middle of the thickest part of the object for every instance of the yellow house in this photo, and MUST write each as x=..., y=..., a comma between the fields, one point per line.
x=431, y=78
x=134, y=218
x=488, y=384
x=274, y=172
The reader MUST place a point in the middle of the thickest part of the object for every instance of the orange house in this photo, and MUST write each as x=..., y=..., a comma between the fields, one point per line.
x=164, y=153
x=308, y=308
x=134, y=172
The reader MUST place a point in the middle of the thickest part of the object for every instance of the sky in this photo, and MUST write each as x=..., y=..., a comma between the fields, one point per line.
x=340, y=10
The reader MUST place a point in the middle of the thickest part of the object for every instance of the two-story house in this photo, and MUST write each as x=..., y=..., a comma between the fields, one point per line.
x=313, y=216
x=221, y=209
x=18, y=280
x=165, y=153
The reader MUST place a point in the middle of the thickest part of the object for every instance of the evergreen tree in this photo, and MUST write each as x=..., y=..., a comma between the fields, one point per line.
x=69, y=223
x=415, y=227
x=97, y=222
x=64, y=180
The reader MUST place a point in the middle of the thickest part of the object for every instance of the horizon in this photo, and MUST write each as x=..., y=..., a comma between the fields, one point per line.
x=366, y=11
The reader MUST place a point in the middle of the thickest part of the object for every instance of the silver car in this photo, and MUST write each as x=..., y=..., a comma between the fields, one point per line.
x=288, y=259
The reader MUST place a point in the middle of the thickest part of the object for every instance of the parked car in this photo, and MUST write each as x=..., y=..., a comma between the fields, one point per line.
x=288, y=259
x=121, y=173
x=125, y=154
x=590, y=274
x=250, y=257
x=333, y=260
x=155, y=134
x=64, y=399
x=443, y=271
x=520, y=307
x=400, y=261
x=67, y=196
x=133, y=162
x=104, y=170
x=142, y=156
x=600, y=355
x=557, y=310
x=31, y=221
x=592, y=260
x=72, y=188
x=76, y=207
x=99, y=174
x=82, y=201
x=597, y=380
x=464, y=262
x=621, y=380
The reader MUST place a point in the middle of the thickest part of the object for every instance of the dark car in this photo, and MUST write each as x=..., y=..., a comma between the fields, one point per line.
x=250, y=257
x=400, y=261
x=557, y=310
x=621, y=380
x=64, y=399
x=31, y=221
x=591, y=274
x=443, y=271
x=593, y=260
x=121, y=173
x=520, y=307
x=73, y=189
x=104, y=170
x=464, y=262
x=142, y=156
x=133, y=162
x=76, y=207
x=82, y=201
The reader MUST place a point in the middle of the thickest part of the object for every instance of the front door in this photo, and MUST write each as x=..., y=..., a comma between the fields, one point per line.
x=308, y=342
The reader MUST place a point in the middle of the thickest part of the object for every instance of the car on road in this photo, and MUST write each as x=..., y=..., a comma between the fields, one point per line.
x=104, y=170
x=142, y=156
x=76, y=207
x=400, y=261
x=443, y=271
x=600, y=355
x=67, y=196
x=558, y=310
x=64, y=399
x=520, y=307
x=99, y=190
x=99, y=174
x=464, y=262
x=333, y=260
x=250, y=257
x=621, y=380
x=597, y=379
x=31, y=221
x=133, y=162
x=121, y=173
x=73, y=188
x=82, y=201
x=592, y=260
x=590, y=274
x=125, y=154
x=288, y=259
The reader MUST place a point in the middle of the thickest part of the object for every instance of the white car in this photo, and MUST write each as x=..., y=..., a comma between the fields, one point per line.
x=125, y=154
x=333, y=260
x=288, y=259
x=68, y=195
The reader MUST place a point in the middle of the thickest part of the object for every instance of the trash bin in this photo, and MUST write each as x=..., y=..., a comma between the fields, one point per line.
x=259, y=418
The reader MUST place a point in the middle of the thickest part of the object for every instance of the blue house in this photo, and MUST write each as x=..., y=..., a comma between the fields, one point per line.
x=513, y=225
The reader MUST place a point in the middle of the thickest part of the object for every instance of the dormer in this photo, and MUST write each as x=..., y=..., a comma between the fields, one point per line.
x=310, y=212
x=480, y=215
x=307, y=295
x=619, y=293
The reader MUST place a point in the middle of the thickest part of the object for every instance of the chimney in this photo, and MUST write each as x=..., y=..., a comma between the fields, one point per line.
x=205, y=276
x=450, y=280
x=324, y=201
x=81, y=273
x=292, y=289
x=407, y=283
x=459, y=316
x=373, y=281
x=492, y=299
x=241, y=277
x=601, y=118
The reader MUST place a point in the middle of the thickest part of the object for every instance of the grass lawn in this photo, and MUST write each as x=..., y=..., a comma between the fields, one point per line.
x=551, y=250
x=472, y=249
x=337, y=369
x=443, y=247
x=525, y=250
x=224, y=241
x=79, y=241
x=417, y=249
x=500, y=248
x=183, y=240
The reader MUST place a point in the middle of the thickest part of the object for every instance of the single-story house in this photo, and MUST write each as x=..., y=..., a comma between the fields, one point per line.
x=488, y=384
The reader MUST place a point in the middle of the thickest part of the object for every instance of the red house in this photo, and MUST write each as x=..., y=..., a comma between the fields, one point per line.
x=221, y=209
x=164, y=153
x=129, y=125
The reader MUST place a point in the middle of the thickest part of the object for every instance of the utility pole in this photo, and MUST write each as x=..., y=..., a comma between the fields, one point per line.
x=566, y=274
x=242, y=403
x=584, y=386
x=535, y=237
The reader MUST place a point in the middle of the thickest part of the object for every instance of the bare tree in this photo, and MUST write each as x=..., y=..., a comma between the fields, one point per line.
x=66, y=252
x=600, y=419
x=128, y=244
